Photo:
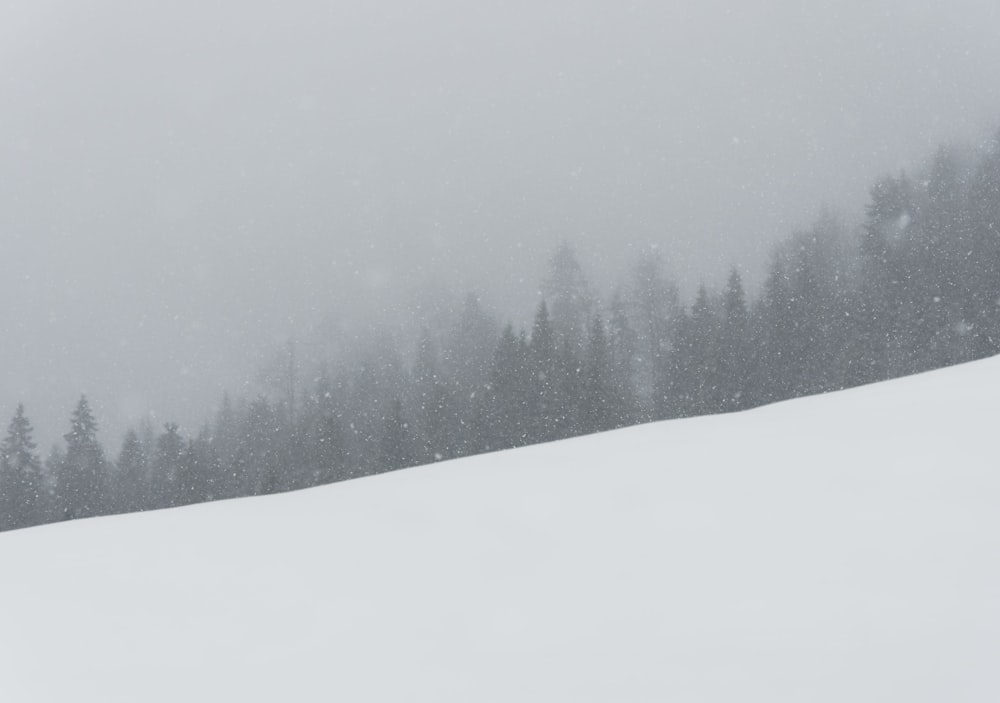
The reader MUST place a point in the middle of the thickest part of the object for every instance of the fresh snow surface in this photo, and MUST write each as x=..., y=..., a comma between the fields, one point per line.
x=837, y=548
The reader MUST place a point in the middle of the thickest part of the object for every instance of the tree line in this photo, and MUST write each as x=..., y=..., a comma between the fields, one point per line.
x=915, y=287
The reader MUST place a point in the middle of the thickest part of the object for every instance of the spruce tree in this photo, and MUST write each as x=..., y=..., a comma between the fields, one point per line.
x=888, y=219
x=22, y=489
x=704, y=355
x=508, y=398
x=772, y=380
x=570, y=388
x=167, y=466
x=256, y=466
x=431, y=402
x=199, y=474
x=396, y=442
x=132, y=488
x=623, y=349
x=734, y=356
x=82, y=487
x=327, y=460
x=543, y=390
x=598, y=409
x=570, y=298
x=655, y=313
x=984, y=275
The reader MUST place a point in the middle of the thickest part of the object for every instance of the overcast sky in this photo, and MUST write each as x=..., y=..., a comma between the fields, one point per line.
x=183, y=183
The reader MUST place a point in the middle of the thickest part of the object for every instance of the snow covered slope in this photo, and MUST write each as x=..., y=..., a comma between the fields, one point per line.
x=836, y=548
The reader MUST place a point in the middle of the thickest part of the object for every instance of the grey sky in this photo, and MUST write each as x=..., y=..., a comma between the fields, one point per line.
x=183, y=183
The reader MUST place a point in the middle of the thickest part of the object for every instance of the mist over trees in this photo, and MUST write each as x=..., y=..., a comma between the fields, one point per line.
x=915, y=287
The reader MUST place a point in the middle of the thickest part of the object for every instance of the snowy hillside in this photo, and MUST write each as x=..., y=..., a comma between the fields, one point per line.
x=834, y=548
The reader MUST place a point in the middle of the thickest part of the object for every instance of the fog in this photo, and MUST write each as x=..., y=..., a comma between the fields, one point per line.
x=185, y=185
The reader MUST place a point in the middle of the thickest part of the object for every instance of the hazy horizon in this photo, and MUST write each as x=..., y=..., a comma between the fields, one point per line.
x=183, y=186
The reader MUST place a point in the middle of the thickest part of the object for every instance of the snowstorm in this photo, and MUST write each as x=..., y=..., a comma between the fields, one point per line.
x=186, y=187
x=489, y=351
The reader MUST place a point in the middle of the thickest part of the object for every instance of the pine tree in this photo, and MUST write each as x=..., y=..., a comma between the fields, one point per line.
x=82, y=487
x=432, y=403
x=983, y=266
x=543, y=391
x=226, y=431
x=327, y=459
x=468, y=352
x=598, y=409
x=53, y=471
x=396, y=442
x=704, y=354
x=199, y=474
x=255, y=470
x=132, y=482
x=734, y=354
x=570, y=386
x=166, y=467
x=889, y=216
x=773, y=370
x=655, y=313
x=508, y=398
x=570, y=298
x=22, y=490
x=623, y=348
x=467, y=359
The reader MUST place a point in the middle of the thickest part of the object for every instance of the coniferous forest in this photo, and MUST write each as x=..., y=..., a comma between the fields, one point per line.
x=915, y=286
